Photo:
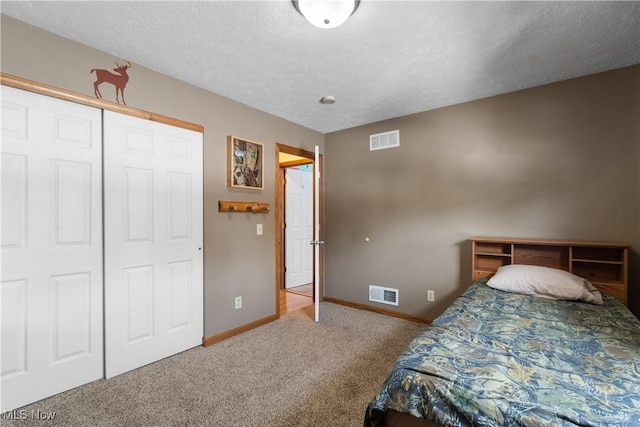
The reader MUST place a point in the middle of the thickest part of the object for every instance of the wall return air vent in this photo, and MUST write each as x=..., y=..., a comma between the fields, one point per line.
x=384, y=140
x=383, y=295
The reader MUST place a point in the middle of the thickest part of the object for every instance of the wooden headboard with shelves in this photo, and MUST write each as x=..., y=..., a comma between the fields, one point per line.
x=605, y=264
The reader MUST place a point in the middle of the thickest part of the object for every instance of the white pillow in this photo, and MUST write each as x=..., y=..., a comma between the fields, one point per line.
x=544, y=282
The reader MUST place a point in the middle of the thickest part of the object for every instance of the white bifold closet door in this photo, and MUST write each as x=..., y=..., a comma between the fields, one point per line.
x=51, y=247
x=153, y=241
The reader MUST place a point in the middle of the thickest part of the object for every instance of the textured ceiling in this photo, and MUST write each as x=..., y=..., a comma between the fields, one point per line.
x=390, y=59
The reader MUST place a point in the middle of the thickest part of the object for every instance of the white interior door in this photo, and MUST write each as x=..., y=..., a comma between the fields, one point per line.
x=51, y=252
x=153, y=241
x=299, y=226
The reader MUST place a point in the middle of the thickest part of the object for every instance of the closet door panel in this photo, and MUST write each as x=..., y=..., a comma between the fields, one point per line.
x=14, y=201
x=51, y=275
x=153, y=241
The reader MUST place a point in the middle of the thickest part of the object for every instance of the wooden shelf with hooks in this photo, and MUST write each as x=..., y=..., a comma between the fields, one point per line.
x=251, y=207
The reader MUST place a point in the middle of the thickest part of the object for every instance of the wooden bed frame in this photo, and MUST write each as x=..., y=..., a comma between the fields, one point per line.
x=399, y=419
x=604, y=264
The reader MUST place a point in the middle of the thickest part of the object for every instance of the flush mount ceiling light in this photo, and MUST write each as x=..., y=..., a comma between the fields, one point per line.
x=326, y=13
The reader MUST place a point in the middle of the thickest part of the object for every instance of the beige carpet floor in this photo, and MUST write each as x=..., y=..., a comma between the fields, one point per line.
x=290, y=372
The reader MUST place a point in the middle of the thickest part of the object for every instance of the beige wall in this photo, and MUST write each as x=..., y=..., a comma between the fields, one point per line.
x=237, y=262
x=560, y=161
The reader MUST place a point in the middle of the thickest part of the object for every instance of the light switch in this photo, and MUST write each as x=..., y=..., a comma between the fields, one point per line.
x=259, y=229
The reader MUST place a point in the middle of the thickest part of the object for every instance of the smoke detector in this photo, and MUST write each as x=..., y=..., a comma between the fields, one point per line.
x=329, y=99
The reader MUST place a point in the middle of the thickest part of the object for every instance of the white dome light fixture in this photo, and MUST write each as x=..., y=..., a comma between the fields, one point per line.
x=326, y=13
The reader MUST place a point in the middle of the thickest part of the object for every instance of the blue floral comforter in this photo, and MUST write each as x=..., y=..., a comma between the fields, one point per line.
x=501, y=359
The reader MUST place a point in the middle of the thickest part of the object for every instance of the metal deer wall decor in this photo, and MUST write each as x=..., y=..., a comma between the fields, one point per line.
x=119, y=80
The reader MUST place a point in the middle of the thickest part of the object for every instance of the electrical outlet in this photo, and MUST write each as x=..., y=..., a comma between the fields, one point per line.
x=431, y=296
x=238, y=302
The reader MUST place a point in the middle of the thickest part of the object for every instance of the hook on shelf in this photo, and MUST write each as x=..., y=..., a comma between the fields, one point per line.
x=251, y=207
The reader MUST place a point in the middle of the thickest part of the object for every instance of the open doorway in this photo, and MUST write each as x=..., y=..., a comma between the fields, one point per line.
x=295, y=192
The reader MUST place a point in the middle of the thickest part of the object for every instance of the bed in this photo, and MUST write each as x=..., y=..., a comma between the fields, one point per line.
x=505, y=358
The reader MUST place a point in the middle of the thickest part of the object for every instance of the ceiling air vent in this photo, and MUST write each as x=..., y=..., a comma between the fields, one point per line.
x=383, y=295
x=383, y=140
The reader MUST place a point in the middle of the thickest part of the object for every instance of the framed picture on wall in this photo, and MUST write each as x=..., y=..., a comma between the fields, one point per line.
x=245, y=163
